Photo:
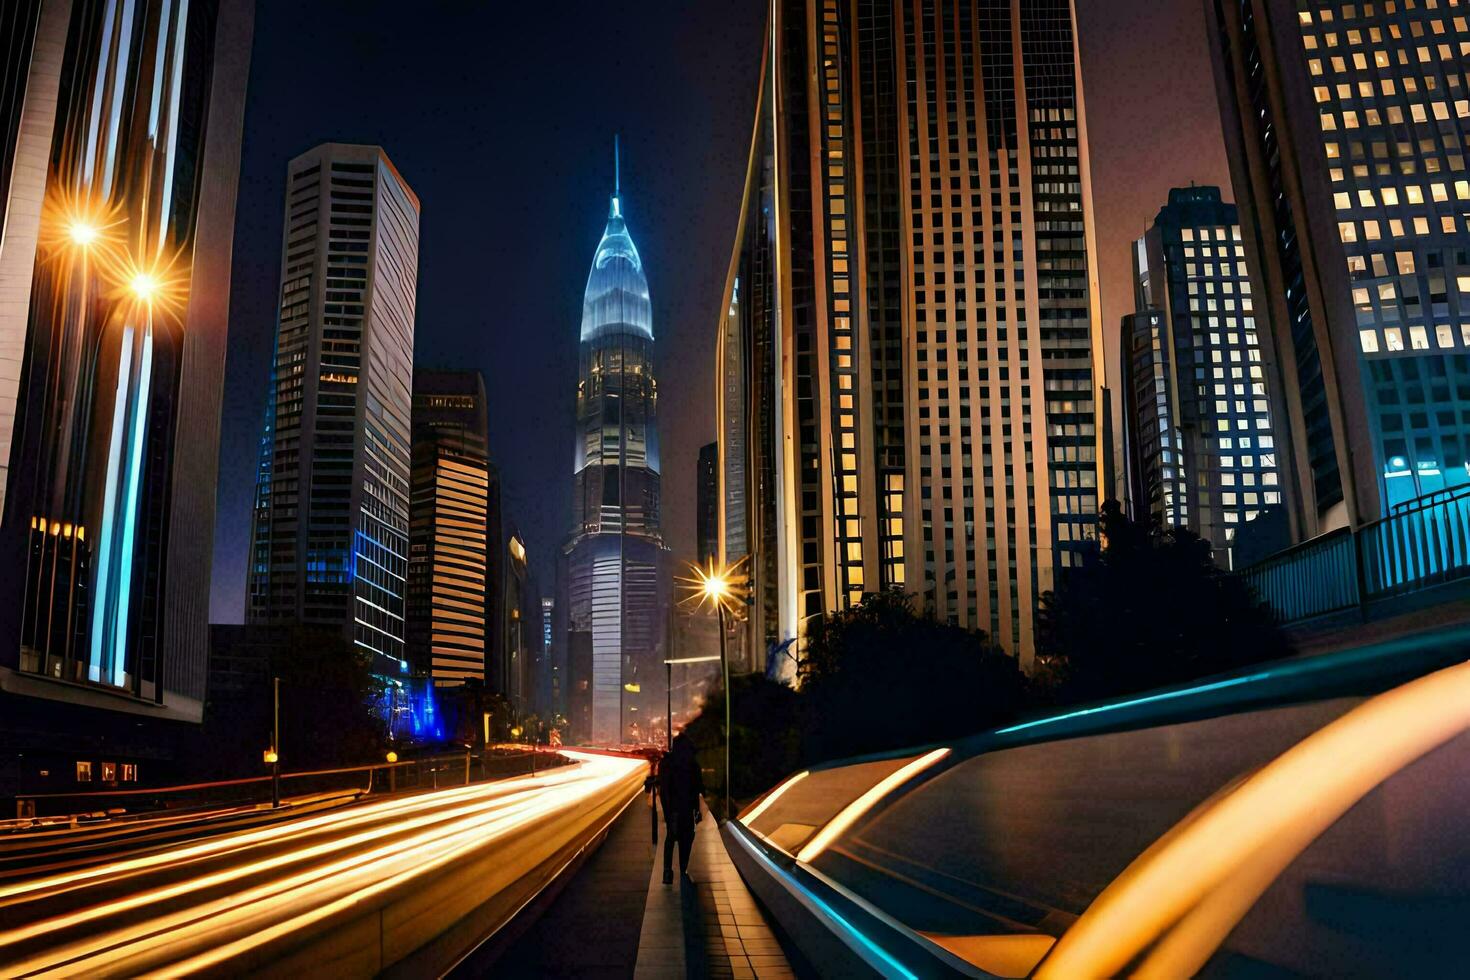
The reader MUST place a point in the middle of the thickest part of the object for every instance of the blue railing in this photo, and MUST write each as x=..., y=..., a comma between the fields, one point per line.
x=1423, y=543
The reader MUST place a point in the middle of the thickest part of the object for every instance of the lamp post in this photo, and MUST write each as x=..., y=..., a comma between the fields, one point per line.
x=275, y=755
x=729, y=726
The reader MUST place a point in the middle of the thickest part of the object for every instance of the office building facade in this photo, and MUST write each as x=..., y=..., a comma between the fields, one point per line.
x=521, y=619
x=617, y=569
x=551, y=677
x=1347, y=126
x=909, y=343
x=114, y=301
x=449, y=522
x=331, y=523
x=707, y=504
x=1200, y=444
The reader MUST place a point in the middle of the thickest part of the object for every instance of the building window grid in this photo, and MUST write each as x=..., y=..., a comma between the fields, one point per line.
x=1394, y=111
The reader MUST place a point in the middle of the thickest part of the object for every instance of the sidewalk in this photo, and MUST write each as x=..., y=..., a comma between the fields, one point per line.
x=709, y=926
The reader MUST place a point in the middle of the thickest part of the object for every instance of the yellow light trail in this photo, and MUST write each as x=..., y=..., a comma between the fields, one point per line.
x=850, y=813
x=228, y=843
x=772, y=797
x=1180, y=899
x=335, y=861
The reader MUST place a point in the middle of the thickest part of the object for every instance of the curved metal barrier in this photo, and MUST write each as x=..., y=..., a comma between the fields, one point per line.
x=1290, y=817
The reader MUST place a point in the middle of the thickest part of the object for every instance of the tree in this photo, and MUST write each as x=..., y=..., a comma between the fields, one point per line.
x=327, y=693
x=765, y=745
x=1148, y=607
x=879, y=676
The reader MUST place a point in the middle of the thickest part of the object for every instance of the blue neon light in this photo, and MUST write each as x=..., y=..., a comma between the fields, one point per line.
x=100, y=619
x=1135, y=702
x=114, y=586
x=139, y=417
x=409, y=709
x=829, y=911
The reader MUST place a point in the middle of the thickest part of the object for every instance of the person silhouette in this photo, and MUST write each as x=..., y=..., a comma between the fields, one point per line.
x=680, y=785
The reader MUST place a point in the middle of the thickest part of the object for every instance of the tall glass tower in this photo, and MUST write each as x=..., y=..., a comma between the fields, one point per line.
x=114, y=283
x=330, y=543
x=616, y=570
x=1200, y=444
x=909, y=355
x=1347, y=127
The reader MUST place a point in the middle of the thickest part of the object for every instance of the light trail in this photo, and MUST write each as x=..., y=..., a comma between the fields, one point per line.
x=1168, y=912
x=854, y=810
x=276, y=882
x=273, y=835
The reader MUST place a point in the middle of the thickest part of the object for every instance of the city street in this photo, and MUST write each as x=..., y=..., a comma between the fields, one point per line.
x=987, y=482
x=256, y=895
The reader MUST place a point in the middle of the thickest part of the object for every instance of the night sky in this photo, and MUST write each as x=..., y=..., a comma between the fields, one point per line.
x=501, y=117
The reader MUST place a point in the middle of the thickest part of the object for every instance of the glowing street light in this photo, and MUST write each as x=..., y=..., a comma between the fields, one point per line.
x=82, y=232
x=75, y=225
x=723, y=588
x=145, y=286
x=150, y=287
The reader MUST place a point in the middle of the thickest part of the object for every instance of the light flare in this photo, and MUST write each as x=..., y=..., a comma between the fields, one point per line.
x=718, y=587
x=74, y=225
x=150, y=288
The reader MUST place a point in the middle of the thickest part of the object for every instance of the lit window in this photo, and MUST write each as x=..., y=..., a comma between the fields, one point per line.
x=1369, y=340
x=84, y=772
x=109, y=772
x=1394, y=338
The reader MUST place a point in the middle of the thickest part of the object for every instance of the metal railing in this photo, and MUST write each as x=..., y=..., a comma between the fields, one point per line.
x=422, y=772
x=1422, y=543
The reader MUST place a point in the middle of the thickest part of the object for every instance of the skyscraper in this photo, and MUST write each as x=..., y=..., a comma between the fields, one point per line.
x=552, y=674
x=707, y=504
x=909, y=346
x=114, y=300
x=616, y=572
x=515, y=673
x=1201, y=449
x=330, y=542
x=449, y=513
x=1347, y=126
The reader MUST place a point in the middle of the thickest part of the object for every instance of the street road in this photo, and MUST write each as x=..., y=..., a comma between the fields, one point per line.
x=192, y=905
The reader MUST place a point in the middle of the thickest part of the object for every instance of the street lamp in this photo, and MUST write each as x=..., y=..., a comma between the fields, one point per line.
x=273, y=756
x=718, y=587
x=144, y=286
x=82, y=232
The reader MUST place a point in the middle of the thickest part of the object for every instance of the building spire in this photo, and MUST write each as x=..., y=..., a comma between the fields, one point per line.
x=616, y=210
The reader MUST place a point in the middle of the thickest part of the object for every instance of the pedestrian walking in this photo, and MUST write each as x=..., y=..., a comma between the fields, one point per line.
x=680, y=785
x=650, y=786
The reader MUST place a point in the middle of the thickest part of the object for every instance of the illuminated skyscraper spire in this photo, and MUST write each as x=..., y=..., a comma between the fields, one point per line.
x=616, y=573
